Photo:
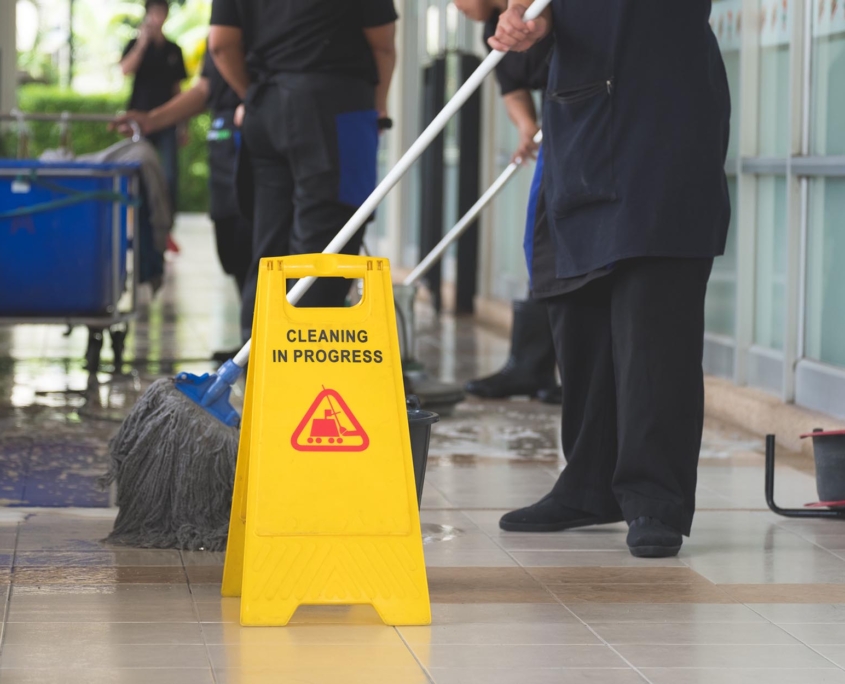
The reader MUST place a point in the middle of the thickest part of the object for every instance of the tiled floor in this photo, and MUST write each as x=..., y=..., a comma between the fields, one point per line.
x=752, y=598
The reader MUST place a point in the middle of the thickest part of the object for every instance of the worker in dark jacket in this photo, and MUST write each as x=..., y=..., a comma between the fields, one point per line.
x=634, y=209
x=232, y=230
x=315, y=89
x=530, y=368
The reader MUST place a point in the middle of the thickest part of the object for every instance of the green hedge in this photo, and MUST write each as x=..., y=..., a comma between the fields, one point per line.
x=91, y=137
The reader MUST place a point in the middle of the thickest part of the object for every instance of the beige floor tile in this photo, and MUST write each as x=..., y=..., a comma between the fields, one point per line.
x=219, y=610
x=693, y=633
x=369, y=636
x=779, y=566
x=491, y=486
x=99, y=575
x=45, y=532
x=204, y=574
x=726, y=656
x=324, y=675
x=785, y=593
x=227, y=610
x=814, y=634
x=486, y=634
x=791, y=613
x=481, y=552
x=258, y=656
x=571, y=594
x=500, y=614
x=667, y=612
x=111, y=633
x=203, y=558
x=101, y=655
x=576, y=559
x=527, y=675
x=744, y=676
x=554, y=577
x=116, y=603
x=485, y=585
x=205, y=592
x=507, y=656
x=835, y=654
x=99, y=557
x=109, y=676
x=591, y=540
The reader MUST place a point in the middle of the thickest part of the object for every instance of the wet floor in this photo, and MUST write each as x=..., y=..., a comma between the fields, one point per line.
x=751, y=598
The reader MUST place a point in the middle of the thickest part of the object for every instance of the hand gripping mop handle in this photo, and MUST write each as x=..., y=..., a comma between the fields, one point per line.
x=395, y=175
x=466, y=220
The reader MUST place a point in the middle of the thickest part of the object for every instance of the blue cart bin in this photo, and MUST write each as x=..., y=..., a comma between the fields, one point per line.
x=63, y=237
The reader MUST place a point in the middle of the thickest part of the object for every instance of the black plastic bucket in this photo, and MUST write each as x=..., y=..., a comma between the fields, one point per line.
x=829, y=454
x=419, y=423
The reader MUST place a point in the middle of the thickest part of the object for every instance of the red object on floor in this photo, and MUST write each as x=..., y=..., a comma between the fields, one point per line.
x=172, y=246
x=826, y=504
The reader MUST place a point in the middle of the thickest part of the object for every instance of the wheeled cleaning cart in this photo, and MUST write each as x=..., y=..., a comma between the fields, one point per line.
x=66, y=247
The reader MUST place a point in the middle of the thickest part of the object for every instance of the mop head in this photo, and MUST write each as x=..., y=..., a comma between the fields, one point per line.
x=174, y=465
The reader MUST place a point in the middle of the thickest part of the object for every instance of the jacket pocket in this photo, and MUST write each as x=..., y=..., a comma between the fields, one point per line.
x=579, y=147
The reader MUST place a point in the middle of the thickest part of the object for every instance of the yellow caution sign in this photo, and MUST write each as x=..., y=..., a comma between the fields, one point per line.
x=324, y=508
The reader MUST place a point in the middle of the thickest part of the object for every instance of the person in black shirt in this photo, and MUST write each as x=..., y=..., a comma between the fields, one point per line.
x=158, y=68
x=233, y=231
x=314, y=76
x=530, y=368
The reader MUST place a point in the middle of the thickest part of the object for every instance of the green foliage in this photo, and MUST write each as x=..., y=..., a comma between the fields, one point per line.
x=92, y=137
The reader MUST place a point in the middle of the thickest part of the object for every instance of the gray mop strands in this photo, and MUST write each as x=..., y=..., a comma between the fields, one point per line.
x=174, y=465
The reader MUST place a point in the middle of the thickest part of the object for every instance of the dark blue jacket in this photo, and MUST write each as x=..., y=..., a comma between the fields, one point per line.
x=636, y=132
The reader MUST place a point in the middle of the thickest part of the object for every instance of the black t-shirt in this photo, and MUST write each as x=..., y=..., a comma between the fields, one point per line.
x=306, y=36
x=521, y=70
x=220, y=96
x=162, y=67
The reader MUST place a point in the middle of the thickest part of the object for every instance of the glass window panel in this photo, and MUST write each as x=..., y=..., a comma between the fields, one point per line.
x=720, y=305
x=828, y=81
x=825, y=307
x=508, y=212
x=726, y=20
x=773, y=131
x=770, y=296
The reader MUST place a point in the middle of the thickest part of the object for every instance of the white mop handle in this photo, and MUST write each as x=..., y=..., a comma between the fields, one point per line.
x=466, y=220
x=395, y=175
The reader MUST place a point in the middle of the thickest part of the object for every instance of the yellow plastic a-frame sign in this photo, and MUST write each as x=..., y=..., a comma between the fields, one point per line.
x=324, y=508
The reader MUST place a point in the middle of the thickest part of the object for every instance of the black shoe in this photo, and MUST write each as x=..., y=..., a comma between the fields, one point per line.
x=222, y=356
x=550, y=515
x=553, y=395
x=530, y=367
x=650, y=538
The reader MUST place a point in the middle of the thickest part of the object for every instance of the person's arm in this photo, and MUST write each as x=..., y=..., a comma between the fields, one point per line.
x=226, y=46
x=382, y=40
x=131, y=61
x=523, y=114
x=513, y=33
x=184, y=106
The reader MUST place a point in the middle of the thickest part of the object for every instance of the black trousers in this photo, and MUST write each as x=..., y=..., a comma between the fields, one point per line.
x=629, y=348
x=313, y=142
x=234, y=246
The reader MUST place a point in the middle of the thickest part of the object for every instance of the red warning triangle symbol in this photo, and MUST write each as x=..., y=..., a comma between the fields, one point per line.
x=329, y=425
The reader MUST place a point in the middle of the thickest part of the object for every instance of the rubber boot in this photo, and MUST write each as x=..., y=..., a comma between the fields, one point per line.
x=530, y=368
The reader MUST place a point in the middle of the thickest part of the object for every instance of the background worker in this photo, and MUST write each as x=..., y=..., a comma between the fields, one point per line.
x=530, y=368
x=159, y=68
x=634, y=209
x=232, y=230
x=315, y=88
